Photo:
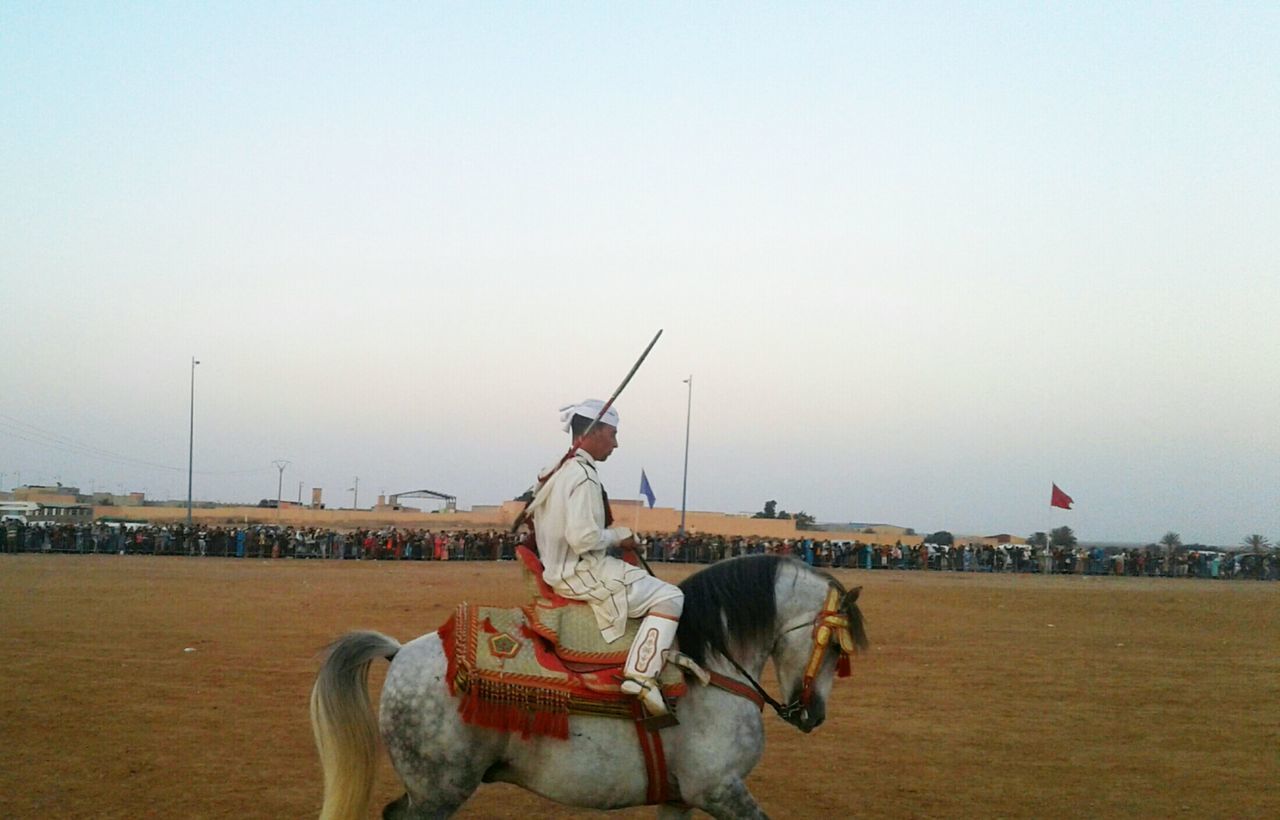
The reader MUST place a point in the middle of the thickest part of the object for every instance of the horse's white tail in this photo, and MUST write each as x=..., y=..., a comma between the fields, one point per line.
x=344, y=726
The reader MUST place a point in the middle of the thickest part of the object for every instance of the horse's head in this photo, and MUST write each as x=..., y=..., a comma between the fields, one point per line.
x=751, y=609
x=819, y=627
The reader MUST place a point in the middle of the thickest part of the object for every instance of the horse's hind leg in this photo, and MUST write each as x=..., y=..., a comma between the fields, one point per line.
x=405, y=808
x=439, y=777
x=730, y=800
x=430, y=797
x=440, y=760
x=399, y=809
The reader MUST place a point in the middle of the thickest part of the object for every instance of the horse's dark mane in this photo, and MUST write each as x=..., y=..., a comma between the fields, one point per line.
x=735, y=598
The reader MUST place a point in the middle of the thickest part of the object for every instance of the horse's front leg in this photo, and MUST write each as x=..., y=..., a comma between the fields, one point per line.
x=730, y=800
x=672, y=811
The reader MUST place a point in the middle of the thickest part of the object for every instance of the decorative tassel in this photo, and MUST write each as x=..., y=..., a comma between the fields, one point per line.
x=843, y=667
x=447, y=634
x=476, y=711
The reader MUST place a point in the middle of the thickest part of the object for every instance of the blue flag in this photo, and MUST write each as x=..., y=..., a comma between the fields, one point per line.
x=645, y=489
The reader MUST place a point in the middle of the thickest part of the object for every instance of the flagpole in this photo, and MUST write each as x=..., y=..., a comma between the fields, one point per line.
x=684, y=487
x=1048, y=540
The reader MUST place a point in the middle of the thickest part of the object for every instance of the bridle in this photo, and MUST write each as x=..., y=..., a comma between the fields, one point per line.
x=830, y=622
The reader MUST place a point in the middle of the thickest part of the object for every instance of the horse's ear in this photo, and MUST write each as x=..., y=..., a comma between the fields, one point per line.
x=852, y=595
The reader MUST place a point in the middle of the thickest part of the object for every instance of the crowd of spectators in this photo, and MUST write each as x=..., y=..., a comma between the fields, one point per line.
x=400, y=543
x=261, y=541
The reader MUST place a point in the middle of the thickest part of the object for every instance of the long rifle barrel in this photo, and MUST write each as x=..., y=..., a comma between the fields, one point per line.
x=573, y=448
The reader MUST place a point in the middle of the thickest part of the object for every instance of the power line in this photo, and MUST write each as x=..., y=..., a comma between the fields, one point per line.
x=22, y=429
x=16, y=428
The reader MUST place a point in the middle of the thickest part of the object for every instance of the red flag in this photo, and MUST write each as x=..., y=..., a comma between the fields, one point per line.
x=1059, y=499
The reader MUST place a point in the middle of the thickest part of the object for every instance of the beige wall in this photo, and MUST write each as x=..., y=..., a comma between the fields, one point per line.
x=40, y=496
x=627, y=514
x=304, y=517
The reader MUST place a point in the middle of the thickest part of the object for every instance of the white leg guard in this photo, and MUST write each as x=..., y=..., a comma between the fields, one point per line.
x=644, y=662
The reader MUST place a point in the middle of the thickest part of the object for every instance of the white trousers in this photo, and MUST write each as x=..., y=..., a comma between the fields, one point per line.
x=646, y=593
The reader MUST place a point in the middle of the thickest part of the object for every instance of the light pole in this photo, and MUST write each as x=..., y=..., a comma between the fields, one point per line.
x=191, y=436
x=355, y=497
x=684, y=489
x=280, y=464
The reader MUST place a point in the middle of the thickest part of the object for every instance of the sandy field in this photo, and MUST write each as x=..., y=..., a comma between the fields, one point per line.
x=983, y=696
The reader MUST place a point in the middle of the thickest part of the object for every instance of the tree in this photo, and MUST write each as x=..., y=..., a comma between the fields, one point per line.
x=804, y=521
x=784, y=516
x=1171, y=541
x=1038, y=539
x=1256, y=543
x=1062, y=537
x=770, y=510
x=941, y=538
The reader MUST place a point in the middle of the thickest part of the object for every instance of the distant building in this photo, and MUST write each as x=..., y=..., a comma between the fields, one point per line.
x=113, y=500
x=273, y=504
x=45, y=494
x=17, y=510
x=34, y=512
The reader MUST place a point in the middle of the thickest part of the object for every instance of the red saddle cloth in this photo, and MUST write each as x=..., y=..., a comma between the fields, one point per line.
x=509, y=672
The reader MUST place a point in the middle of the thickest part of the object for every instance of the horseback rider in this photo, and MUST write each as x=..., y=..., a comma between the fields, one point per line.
x=572, y=525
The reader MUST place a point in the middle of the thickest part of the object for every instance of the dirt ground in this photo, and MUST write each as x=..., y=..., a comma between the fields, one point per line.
x=983, y=696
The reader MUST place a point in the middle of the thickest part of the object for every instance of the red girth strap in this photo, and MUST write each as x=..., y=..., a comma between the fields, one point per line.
x=655, y=762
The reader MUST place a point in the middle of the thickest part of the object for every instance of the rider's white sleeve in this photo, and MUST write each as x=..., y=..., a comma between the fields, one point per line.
x=584, y=526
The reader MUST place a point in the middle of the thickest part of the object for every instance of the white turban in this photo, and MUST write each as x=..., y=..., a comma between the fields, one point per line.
x=589, y=408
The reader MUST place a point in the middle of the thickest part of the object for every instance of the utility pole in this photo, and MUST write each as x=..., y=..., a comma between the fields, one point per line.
x=684, y=490
x=355, y=498
x=299, y=493
x=191, y=436
x=280, y=464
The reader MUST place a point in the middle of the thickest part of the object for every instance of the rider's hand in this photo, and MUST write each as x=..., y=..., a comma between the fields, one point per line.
x=628, y=543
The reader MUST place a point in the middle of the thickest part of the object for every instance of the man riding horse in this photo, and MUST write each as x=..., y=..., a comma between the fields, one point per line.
x=573, y=533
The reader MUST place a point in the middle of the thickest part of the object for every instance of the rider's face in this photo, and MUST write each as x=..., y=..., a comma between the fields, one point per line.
x=602, y=441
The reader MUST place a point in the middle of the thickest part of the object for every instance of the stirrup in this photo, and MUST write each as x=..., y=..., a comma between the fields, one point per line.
x=688, y=664
x=658, y=712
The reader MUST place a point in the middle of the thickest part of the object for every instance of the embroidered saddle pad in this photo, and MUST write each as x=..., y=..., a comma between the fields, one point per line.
x=508, y=677
x=570, y=626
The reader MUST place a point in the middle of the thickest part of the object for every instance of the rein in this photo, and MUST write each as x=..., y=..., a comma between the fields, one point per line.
x=829, y=623
x=787, y=712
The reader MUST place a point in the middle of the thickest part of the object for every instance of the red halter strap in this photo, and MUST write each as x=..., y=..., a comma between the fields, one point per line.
x=830, y=622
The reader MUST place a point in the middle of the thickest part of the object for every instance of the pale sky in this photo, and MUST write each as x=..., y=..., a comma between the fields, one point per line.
x=922, y=260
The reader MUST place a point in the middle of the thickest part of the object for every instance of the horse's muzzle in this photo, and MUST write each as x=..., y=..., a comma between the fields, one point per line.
x=804, y=718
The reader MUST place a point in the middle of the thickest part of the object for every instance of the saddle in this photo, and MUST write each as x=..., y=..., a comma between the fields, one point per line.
x=526, y=669
x=570, y=625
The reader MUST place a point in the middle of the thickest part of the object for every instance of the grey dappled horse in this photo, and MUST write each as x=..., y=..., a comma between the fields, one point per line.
x=747, y=610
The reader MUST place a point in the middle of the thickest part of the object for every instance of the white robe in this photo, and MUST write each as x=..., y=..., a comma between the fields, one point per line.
x=568, y=518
